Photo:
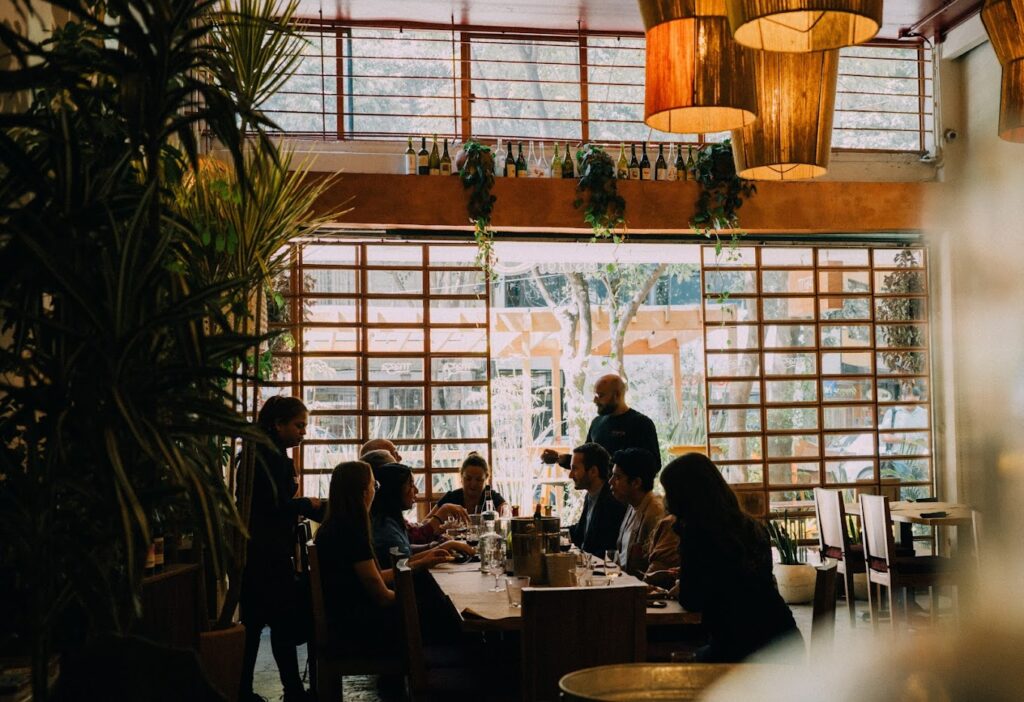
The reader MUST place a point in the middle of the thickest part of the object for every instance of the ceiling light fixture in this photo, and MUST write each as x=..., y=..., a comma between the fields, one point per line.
x=800, y=26
x=1004, y=22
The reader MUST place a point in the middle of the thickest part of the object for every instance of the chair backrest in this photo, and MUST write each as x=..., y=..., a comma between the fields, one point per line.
x=566, y=629
x=976, y=530
x=316, y=590
x=832, y=537
x=823, y=612
x=304, y=534
x=405, y=596
x=876, y=524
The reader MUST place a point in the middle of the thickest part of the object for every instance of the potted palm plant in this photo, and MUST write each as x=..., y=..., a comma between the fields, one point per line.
x=120, y=355
x=795, y=579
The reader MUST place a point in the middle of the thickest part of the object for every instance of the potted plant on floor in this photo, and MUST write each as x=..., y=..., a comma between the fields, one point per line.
x=794, y=578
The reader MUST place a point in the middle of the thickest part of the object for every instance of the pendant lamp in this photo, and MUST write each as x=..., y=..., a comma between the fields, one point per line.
x=803, y=25
x=1004, y=22
x=698, y=80
x=796, y=101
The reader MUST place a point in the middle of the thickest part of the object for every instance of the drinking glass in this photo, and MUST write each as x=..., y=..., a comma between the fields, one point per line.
x=495, y=555
x=611, y=565
x=584, y=569
x=564, y=540
x=514, y=585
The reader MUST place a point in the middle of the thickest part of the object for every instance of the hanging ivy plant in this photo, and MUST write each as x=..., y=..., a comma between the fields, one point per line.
x=605, y=208
x=476, y=170
x=900, y=335
x=722, y=193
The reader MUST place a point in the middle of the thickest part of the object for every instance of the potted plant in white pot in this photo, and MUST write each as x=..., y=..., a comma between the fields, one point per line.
x=794, y=578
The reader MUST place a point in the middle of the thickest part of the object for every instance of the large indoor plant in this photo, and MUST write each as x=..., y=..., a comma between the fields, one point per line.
x=118, y=359
x=795, y=579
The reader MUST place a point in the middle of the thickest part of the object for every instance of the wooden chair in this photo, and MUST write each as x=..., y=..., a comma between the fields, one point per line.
x=823, y=611
x=888, y=570
x=834, y=542
x=566, y=629
x=332, y=663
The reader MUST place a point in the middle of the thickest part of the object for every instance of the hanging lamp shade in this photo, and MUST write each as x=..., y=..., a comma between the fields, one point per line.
x=796, y=101
x=698, y=80
x=1004, y=22
x=803, y=25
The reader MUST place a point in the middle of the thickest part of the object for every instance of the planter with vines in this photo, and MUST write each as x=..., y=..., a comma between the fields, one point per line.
x=597, y=193
x=722, y=193
x=476, y=170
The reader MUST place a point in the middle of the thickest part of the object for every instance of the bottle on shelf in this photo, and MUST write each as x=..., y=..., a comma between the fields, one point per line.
x=679, y=165
x=645, y=165
x=497, y=157
x=567, y=166
x=510, y=163
x=634, y=164
x=410, y=159
x=531, y=159
x=423, y=158
x=660, y=166
x=691, y=166
x=622, y=165
x=540, y=165
x=435, y=159
x=521, y=169
x=446, y=161
x=555, y=171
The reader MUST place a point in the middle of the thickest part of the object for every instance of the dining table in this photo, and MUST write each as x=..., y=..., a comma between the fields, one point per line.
x=935, y=514
x=479, y=609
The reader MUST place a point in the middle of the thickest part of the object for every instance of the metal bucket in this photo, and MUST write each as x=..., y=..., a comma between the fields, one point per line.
x=531, y=539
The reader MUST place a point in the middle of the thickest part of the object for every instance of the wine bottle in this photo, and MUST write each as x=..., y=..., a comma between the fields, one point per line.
x=510, y=163
x=645, y=165
x=410, y=159
x=691, y=166
x=497, y=158
x=634, y=164
x=679, y=165
x=423, y=159
x=446, y=161
x=567, y=167
x=540, y=165
x=622, y=166
x=435, y=159
x=521, y=169
x=660, y=166
x=531, y=159
x=555, y=171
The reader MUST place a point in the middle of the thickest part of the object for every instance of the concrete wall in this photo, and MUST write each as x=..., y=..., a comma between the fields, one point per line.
x=977, y=229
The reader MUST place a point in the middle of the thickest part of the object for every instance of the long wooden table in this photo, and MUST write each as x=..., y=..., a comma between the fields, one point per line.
x=907, y=514
x=479, y=610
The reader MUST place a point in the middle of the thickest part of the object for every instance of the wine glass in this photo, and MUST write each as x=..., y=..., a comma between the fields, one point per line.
x=612, y=569
x=494, y=553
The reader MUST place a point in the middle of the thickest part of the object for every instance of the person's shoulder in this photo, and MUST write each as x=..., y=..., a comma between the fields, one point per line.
x=636, y=415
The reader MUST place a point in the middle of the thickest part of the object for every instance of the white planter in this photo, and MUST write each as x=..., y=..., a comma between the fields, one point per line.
x=796, y=582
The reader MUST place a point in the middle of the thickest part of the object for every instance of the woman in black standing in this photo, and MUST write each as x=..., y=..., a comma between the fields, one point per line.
x=725, y=564
x=268, y=592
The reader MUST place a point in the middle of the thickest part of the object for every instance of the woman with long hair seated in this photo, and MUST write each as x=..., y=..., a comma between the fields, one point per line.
x=475, y=474
x=397, y=494
x=725, y=564
x=357, y=592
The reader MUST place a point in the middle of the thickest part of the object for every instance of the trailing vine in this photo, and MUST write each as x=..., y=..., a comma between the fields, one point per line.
x=605, y=208
x=722, y=193
x=901, y=335
x=477, y=175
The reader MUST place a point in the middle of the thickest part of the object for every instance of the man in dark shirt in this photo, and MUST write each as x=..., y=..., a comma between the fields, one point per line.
x=597, y=530
x=617, y=426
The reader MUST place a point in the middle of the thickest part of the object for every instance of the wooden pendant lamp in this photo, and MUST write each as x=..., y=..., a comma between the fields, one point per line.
x=698, y=80
x=803, y=25
x=796, y=102
x=1004, y=22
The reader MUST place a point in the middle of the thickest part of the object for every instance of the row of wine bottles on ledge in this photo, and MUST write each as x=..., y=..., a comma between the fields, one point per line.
x=537, y=165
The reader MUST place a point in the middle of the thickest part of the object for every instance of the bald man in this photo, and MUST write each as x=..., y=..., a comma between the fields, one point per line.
x=381, y=445
x=617, y=426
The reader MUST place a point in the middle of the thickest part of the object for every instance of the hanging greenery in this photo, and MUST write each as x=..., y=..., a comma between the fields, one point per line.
x=722, y=193
x=899, y=334
x=477, y=174
x=605, y=208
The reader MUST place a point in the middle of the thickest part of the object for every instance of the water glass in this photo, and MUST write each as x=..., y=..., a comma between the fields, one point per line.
x=514, y=585
x=612, y=569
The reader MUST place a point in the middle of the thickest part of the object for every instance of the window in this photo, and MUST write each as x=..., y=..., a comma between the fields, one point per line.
x=817, y=373
x=388, y=83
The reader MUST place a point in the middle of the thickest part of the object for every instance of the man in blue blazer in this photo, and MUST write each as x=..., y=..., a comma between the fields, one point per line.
x=597, y=530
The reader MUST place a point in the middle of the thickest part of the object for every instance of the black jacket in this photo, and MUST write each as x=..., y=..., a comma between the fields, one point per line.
x=602, y=533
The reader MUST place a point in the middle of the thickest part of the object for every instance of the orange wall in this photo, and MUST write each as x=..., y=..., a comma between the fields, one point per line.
x=384, y=200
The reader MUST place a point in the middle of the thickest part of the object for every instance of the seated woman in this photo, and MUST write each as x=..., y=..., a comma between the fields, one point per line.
x=474, y=473
x=725, y=564
x=359, y=602
x=397, y=494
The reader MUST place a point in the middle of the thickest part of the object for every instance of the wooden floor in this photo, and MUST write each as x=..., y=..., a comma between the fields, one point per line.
x=364, y=688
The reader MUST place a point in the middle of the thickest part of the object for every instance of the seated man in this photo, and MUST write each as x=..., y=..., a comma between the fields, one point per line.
x=381, y=445
x=647, y=543
x=597, y=530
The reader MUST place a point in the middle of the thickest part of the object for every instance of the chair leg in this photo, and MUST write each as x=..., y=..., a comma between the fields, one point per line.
x=934, y=590
x=873, y=595
x=891, y=591
x=851, y=604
